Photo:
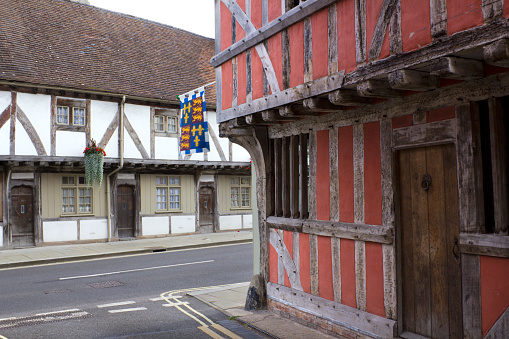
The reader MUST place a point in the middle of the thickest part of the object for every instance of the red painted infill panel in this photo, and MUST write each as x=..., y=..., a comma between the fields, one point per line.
x=494, y=290
x=226, y=27
x=325, y=282
x=345, y=169
x=322, y=176
x=347, y=261
x=506, y=9
x=256, y=13
x=256, y=74
x=319, y=35
x=273, y=266
x=443, y=113
x=372, y=13
x=241, y=78
x=346, y=36
x=296, y=37
x=288, y=240
x=240, y=32
x=226, y=84
x=403, y=121
x=415, y=24
x=276, y=57
x=375, y=279
x=305, y=268
x=274, y=9
x=463, y=14
x=372, y=174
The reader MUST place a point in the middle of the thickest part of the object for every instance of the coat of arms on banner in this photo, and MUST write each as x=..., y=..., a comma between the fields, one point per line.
x=194, y=137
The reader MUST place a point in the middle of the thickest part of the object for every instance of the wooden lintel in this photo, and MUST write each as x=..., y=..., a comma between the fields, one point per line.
x=497, y=53
x=320, y=105
x=457, y=68
x=407, y=79
x=287, y=224
x=257, y=119
x=377, y=88
x=346, y=97
x=434, y=133
x=295, y=111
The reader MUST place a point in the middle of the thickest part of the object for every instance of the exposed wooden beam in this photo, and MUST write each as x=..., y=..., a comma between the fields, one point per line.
x=320, y=105
x=497, y=53
x=257, y=119
x=273, y=115
x=457, y=68
x=407, y=79
x=346, y=97
x=295, y=110
x=377, y=89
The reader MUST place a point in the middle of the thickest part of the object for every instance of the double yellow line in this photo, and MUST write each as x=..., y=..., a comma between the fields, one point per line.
x=205, y=323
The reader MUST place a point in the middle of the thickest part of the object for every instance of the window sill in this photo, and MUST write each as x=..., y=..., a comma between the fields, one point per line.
x=240, y=208
x=77, y=215
x=168, y=211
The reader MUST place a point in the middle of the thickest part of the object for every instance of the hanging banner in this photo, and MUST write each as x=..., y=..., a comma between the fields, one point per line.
x=194, y=136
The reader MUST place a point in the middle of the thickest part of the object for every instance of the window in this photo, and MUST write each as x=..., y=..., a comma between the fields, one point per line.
x=62, y=115
x=71, y=114
x=76, y=196
x=166, y=123
x=240, y=192
x=79, y=116
x=168, y=193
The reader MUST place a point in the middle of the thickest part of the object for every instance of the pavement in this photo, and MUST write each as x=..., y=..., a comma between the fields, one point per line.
x=229, y=299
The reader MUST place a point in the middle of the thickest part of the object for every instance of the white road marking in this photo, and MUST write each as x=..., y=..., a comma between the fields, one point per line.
x=136, y=270
x=121, y=303
x=128, y=310
x=175, y=304
x=56, y=312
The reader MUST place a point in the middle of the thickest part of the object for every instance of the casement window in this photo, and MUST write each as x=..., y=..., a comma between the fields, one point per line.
x=71, y=114
x=240, y=192
x=166, y=123
x=168, y=193
x=76, y=196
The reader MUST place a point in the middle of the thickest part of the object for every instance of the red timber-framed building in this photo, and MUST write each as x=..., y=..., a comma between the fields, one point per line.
x=378, y=129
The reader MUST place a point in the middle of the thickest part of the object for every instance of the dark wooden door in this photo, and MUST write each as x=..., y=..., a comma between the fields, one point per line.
x=22, y=216
x=125, y=211
x=430, y=242
x=206, y=206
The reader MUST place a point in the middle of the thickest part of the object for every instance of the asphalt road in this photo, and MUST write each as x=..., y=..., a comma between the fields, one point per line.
x=119, y=297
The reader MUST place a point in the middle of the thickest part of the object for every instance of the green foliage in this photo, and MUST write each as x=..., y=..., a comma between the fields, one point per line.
x=94, y=161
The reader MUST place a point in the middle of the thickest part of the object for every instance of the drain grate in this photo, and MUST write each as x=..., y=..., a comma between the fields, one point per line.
x=65, y=290
x=106, y=284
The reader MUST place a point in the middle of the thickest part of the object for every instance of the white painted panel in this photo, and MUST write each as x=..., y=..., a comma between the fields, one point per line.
x=24, y=145
x=126, y=176
x=5, y=133
x=197, y=156
x=111, y=148
x=230, y=222
x=139, y=117
x=155, y=225
x=101, y=115
x=93, y=229
x=183, y=224
x=247, y=221
x=240, y=153
x=23, y=176
x=5, y=100
x=59, y=230
x=167, y=148
x=1, y=236
x=130, y=149
x=37, y=108
x=214, y=154
x=71, y=143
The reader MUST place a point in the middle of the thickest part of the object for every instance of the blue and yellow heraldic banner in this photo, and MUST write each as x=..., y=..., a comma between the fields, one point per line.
x=194, y=136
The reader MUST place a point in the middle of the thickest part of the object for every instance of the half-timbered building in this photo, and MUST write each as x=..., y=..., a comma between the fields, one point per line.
x=379, y=133
x=70, y=73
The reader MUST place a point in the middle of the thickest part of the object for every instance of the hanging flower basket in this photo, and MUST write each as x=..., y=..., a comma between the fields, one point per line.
x=94, y=160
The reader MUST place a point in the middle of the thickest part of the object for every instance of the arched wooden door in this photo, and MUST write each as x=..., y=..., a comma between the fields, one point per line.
x=22, y=216
x=126, y=211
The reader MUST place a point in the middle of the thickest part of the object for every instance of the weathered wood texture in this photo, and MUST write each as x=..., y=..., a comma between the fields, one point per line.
x=341, y=314
x=438, y=18
x=395, y=38
x=471, y=296
x=334, y=176
x=382, y=23
x=12, y=138
x=137, y=141
x=358, y=173
x=303, y=165
x=360, y=275
x=215, y=140
x=276, y=240
x=313, y=263
x=332, y=31
x=360, y=31
x=500, y=328
x=433, y=133
x=484, y=244
x=492, y=9
x=31, y=132
x=457, y=68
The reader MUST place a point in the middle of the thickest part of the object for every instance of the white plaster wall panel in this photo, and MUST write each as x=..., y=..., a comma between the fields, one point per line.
x=247, y=221
x=5, y=100
x=101, y=115
x=1, y=236
x=167, y=148
x=70, y=143
x=5, y=140
x=93, y=229
x=155, y=225
x=139, y=117
x=214, y=154
x=130, y=149
x=183, y=224
x=196, y=156
x=111, y=148
x=37, y=108
x=59, y=231
x=24, y=145
x=230, y=222
x=240, y=153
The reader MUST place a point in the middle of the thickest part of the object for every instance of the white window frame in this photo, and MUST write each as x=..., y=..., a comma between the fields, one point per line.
x=238, y=191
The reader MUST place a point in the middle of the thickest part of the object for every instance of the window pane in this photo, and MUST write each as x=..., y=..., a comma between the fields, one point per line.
x=172, y=124
x=62, y=115
x=159, y=123
x=234, y=181
x=78, y=116
x=81, y=180
x=71, y=180
x=235, y=197
x=161, y=198
x=161, y=180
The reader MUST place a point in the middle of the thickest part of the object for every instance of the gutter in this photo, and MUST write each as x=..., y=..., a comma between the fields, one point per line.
x=120, y=166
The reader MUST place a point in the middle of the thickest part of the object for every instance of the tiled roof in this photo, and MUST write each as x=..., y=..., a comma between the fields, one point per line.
x=61, y=43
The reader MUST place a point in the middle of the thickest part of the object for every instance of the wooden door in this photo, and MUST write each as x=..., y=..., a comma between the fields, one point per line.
x=125, y=211
x=22, y=216
x=431, y=275
x=206, y=206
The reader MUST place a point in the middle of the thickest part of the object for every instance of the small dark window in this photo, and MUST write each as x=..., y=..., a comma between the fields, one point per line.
x=71, y=114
